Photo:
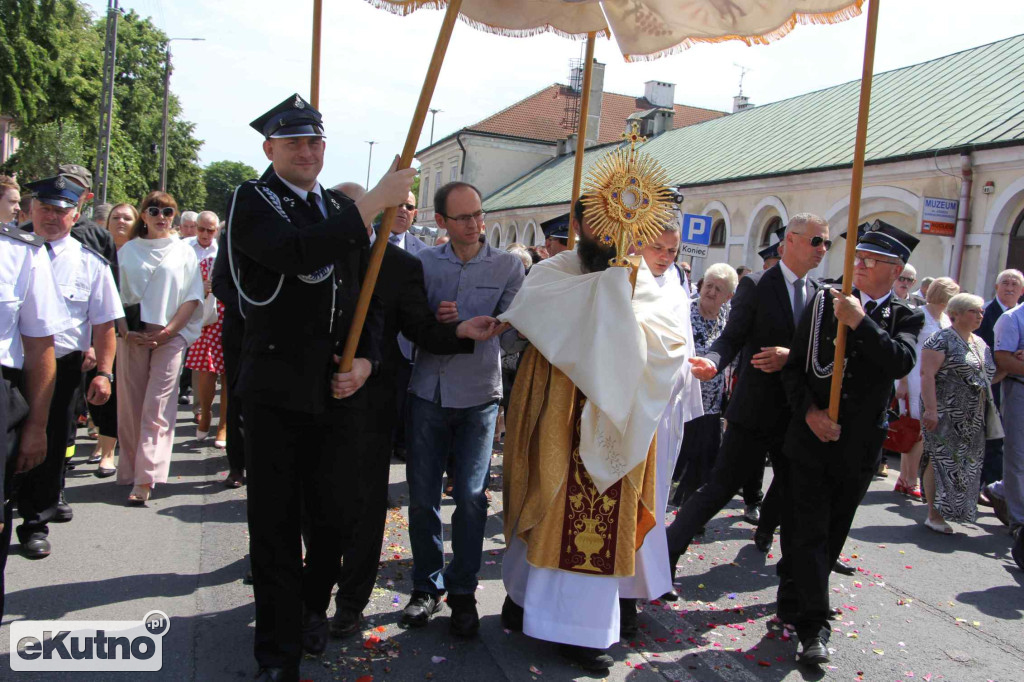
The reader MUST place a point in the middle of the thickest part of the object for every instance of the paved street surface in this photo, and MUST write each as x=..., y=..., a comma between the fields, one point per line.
x=922, y=606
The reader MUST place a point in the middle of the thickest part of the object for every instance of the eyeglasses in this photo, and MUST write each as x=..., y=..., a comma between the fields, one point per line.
x=211, y=230
x=407, y=207
x=815, y=241
x=907, y=280
x=870, y=263
x=154, y=211
x=469, y=219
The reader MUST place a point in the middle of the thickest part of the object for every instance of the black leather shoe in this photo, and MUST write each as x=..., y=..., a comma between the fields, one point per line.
x=998, y=506
x=813, y=652
x=842, y=569
x=752, y=514
x=420, y=609
x=314, y=632
x=763, y=541
x=278, y=675
x=64, y=511
x=629, y=622
x=591, y=660
x=511, y=615
x=671, y=595
x=36, y=546
x=465, y=620
x=345, y=622
x=1017, y=551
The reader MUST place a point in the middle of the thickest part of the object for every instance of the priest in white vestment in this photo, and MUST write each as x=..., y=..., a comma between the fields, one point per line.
x=606, y=371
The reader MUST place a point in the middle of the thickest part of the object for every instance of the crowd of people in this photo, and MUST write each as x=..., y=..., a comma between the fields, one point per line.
x=130, y=312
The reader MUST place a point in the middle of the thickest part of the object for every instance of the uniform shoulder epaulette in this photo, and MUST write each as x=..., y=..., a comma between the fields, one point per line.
x=95, y=252
x=21, y=236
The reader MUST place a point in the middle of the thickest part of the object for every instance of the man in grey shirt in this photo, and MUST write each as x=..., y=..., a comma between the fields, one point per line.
x=453, y=404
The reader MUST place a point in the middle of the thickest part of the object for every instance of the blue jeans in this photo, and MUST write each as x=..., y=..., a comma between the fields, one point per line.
x=434, y=431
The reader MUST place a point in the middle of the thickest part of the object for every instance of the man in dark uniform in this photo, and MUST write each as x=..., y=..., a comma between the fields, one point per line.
x=765, y=310
x=772, y=254
x=297, y=254
x=831, y=464
x=556, y=234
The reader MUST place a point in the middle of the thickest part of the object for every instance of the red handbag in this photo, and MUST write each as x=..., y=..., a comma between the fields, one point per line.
x=904, y=431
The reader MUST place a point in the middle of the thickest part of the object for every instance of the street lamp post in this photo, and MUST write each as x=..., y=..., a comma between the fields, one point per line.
x=167, y=92
x=369, y=161
x=433, y=114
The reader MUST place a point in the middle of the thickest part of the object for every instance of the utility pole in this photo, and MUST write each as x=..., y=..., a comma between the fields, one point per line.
x=369, y=161
x=167, y=94
x=106, y=102
x=433, y=113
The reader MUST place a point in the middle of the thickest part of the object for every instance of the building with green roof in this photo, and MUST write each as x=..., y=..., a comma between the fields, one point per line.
x=936, y=129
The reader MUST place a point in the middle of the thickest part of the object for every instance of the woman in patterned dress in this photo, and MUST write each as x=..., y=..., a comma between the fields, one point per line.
x=956, y=370
x=909, y=387
x=703, y=435
x=206, y=360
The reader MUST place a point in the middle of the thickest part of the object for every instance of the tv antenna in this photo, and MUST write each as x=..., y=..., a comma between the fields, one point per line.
x=744, y=70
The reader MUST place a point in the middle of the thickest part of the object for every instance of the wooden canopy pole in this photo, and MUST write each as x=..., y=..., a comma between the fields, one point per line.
x=418, y=119
x=581, y=130
x=855, y=192
x=314, y=72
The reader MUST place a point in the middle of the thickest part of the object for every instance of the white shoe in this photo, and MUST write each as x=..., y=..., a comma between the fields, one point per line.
x=201, y=435
x=220, y=444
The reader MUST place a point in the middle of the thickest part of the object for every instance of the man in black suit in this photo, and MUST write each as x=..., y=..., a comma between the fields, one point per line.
x=762, y=319
x=296, y=254
x=1009, y=287
x=831, y=463
x=402, y=298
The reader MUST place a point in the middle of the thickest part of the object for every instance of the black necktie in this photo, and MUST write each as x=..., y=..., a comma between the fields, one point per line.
x=314, y=201
x=49, y=250
x=869, y=307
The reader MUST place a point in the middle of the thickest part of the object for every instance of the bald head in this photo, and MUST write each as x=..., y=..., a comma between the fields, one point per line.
x=353, y=190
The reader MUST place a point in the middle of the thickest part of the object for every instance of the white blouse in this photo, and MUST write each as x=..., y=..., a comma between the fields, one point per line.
x=160, y=275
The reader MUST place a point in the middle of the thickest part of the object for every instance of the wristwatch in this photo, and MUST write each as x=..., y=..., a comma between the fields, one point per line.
x=374, y=368
x=108, y=375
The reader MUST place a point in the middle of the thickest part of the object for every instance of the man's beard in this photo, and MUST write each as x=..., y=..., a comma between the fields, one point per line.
x=593, y=256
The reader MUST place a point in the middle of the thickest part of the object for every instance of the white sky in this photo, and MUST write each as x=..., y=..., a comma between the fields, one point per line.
x=257, y=53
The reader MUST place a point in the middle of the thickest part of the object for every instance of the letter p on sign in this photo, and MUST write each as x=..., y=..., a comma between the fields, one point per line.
x=696, y=235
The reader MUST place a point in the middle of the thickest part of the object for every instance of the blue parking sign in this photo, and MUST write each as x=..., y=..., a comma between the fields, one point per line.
x=695, y=235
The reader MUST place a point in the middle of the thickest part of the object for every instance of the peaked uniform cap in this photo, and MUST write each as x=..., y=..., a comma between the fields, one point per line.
x=294, y=117
x=57, y=191
x=772, y=250
x=557, y=228
x=887, y=240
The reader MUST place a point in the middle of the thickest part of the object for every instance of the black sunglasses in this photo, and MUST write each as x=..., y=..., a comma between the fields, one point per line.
x=154, y=211
x=407, y=207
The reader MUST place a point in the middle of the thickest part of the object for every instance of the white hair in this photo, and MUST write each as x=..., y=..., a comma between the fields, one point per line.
x=801, y=220
x=208, y=215
x=724, y=273
x=517, y=249
x=189, y=217
x=1015, y=274
x=909, y=270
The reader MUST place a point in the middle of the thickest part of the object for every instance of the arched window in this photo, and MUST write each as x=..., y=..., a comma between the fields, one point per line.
x=770, y=227
x=718, y=233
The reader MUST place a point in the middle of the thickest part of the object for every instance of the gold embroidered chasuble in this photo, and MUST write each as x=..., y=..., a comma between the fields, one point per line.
x=550, y=501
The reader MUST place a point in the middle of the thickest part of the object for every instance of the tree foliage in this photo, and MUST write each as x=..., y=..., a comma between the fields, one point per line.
x=221, y=178
x=51, y=58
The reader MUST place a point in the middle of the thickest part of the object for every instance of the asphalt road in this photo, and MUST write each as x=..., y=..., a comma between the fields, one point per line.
x=922, y=606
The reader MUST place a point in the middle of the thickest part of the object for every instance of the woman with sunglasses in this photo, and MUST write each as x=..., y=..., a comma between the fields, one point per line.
x=160, y=279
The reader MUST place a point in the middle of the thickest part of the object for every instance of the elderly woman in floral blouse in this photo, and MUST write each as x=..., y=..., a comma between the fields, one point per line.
x=703, y=435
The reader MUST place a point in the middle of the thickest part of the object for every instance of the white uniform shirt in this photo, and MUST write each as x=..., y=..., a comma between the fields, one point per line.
x=29, y=301
x=87, y=285
x=202, y=252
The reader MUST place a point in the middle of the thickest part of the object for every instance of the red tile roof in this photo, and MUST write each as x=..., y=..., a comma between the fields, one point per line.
x=539, y=116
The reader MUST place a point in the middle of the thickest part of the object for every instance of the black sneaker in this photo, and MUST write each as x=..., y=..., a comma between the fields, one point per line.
x=64, y=512
x=629, y=623
x=465, y=620
x=345, y=622
x=421, y=607
x=591, y=660
x=511, y=615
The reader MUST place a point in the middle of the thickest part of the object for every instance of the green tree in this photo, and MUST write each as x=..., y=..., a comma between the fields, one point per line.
x=51, y=57
x=47, y=145
x=221, y=178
